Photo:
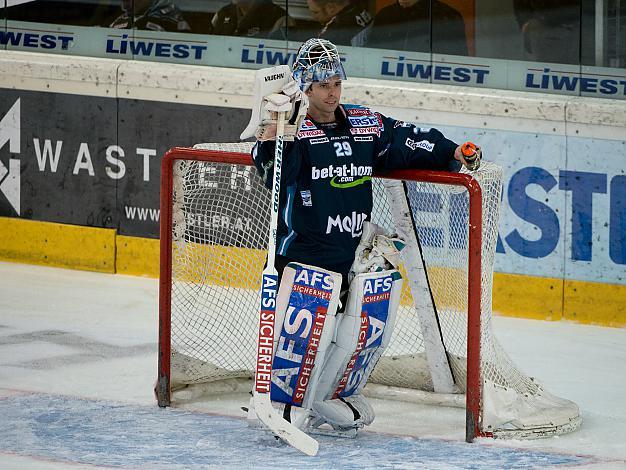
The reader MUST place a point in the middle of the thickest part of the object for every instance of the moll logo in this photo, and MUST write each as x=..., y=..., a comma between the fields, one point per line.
x=10, y=168
x=352, y=224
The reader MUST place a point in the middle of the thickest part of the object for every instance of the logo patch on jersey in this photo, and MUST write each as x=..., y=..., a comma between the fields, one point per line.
x=365, y=130
x=300, y=335
x=359, y=138
x=319, y=140
x=422, y=144
x=363, y=121
x=307, y=125
x=423, y=130
x=343, y=176
x=308, y=134
x=344, y=182
x=401, y=124
x=359, y=112
x=352, y=224
x=306, y=198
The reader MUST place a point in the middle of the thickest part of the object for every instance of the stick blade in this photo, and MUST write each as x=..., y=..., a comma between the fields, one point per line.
x=282, y=428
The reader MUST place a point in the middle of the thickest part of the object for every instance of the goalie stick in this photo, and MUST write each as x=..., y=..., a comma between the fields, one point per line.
x=269, y=289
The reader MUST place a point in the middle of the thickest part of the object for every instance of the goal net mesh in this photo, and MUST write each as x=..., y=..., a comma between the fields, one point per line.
x=220, y=217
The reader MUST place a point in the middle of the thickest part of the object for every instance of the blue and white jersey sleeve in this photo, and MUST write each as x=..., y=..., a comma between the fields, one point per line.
x=402, y=145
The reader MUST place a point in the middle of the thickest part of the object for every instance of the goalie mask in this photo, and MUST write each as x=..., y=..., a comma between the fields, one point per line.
x=317, y=60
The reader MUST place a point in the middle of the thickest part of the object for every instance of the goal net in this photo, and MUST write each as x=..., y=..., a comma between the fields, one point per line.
x=214, y=226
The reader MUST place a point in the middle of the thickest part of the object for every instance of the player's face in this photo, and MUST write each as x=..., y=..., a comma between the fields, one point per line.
x=318, y=12
x=324, y=98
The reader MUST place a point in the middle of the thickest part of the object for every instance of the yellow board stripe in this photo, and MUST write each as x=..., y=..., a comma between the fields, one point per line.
x=219, y=265
x=518, y=295
x=595, y=303
x=99, y=249
x=52, y=244
x=137, y=256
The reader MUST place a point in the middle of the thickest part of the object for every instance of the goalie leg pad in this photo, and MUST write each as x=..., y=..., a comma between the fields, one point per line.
x=306, y=305
x=363, y=332
x=344, y=413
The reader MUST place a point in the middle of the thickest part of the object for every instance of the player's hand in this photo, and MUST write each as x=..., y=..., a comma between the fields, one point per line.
x=267, y=130
x=284, y=102
x=273, y=105
x=469, y=154
x=292, y=90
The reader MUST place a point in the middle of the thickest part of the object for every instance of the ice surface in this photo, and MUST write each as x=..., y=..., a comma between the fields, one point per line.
x=78, y=363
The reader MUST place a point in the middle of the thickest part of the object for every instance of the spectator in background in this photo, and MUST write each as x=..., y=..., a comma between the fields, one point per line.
x=251, y=18
x=154, y=15
x=406, y=26
x=343, y=22
x=550, y=30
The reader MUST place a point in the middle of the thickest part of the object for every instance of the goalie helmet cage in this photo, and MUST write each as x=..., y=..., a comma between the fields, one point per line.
x=214, y=218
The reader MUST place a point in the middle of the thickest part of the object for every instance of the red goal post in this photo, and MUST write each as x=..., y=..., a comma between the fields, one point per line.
x=212, y=241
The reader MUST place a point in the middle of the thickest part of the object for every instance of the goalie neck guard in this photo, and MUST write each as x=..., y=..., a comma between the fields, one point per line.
x=317, y=60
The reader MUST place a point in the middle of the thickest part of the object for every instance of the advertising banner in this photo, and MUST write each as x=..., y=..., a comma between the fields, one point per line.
x=96, y=162
x=54, y=151
x=93, y=161
x=254, y=53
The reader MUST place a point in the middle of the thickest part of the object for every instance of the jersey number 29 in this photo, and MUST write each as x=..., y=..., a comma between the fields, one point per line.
x=343, y=149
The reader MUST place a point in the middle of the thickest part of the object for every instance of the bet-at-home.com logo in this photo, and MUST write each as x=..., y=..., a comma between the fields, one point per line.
x=10, y=168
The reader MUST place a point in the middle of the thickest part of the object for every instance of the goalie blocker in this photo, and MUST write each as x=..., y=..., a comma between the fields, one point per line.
x=275, y=92
x=322, y=360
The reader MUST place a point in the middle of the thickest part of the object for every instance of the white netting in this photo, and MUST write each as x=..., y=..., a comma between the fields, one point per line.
x=219, y=229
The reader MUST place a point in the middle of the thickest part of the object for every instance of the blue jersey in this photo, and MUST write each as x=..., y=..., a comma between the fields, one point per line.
x=326, y=182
